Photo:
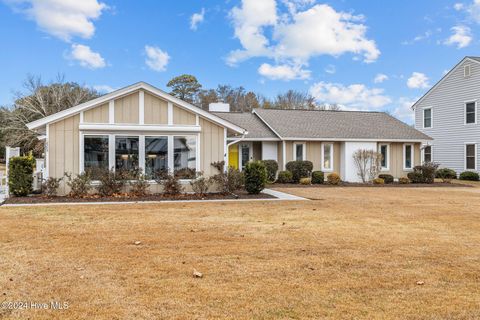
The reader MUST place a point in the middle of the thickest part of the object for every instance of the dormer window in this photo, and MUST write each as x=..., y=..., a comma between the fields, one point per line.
x=467, y=71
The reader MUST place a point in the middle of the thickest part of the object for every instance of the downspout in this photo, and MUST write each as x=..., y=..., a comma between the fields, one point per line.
x=232, y=143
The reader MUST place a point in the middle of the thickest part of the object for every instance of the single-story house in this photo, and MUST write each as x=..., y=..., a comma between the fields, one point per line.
x=142, y=127
x=326, y=138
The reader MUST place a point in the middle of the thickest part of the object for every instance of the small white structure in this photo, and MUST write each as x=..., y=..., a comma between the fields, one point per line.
x=219, y=107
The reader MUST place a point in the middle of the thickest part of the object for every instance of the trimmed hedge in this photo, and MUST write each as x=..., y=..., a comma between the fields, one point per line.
x=387, y=178
x=300, y=169
x=20, y=175
x=334, y=178
x=469, y=175
x=378, y=181
x=318, y=177
x=415, y=177
x=306, y=181
x=403, y=180
x=284, y=177
x=424, y=173
x=272, y=168
x=255, y=177
x=446, y=174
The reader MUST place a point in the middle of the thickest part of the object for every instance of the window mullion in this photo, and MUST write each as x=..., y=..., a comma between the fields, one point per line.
x=111, y=152
x=170, y=154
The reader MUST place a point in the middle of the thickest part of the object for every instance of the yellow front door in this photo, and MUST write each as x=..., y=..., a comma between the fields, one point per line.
x=233, y=156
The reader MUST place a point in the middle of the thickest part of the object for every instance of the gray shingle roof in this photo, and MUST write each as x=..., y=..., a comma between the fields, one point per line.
x=337, y=125
x=255, y=127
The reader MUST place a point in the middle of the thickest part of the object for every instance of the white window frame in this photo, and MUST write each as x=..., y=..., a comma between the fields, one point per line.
x=465, y=74
x=82, y=149
x=465, y=112
x=331, y=157
x=304, y=150
x=465, y=156
x=405, y=156
x=431, y=117
x=422, y=154
x=387, y=167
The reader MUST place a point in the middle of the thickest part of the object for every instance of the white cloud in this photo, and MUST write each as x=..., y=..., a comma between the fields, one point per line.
x=104, y=88
x=196, y=19
x=353, y=97
x=418, y=80
x=330, y=69
x=86, y=57
x=156, y=58
x=298, y=35
x=283, y=72
x=458, y=6
x=63, y=19
x=403, y=109
x=379, y=78
x=461, y=37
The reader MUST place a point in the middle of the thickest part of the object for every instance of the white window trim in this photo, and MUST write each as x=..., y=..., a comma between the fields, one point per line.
x=465, y=112
x=405, y=158
x=304, y=150
x=465, y=156
x=431, y=117
x=422, y=153
x=387, y=168
x=331, y=157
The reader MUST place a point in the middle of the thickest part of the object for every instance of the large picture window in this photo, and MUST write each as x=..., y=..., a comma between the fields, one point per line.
x=185, y=156
x=95, y=153
x=470, y=157
x=156, y=155
x=126, y=154
x=327, y=157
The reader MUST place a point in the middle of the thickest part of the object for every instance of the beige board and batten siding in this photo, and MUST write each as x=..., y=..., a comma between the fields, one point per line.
x=211, y=146
x=396, y=159
x=97, y=114
x=314, y=154
x=156, y=110
x=63, y=149
x=183, y=117
x=127, y=109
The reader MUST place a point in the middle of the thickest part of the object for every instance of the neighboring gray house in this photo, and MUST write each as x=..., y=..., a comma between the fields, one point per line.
x=448, y=113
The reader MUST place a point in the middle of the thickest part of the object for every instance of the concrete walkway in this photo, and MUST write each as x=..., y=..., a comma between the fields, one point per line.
x=279, y=196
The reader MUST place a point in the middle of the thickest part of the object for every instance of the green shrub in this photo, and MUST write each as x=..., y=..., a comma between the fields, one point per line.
x=110, y=182
x=306, y=181
x=139, y=186
x=333, y=178
x=387, y=178
x=446, y=174
x=403, y=180
x=255, y=177
x=378, y=181
x=272, y=168
x=229, y=181
x=50, y=186
x=300, y=169
x=318, y=177
x=469, y=175
x=415, y=177
x=201, y=184
x=20, y=175
x=79, y=185
x=284, y=177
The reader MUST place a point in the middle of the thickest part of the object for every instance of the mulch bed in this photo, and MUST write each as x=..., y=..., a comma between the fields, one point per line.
x=371, y=185
x=153, y=197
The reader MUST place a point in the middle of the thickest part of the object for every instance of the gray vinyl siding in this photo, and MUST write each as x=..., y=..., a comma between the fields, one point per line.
x=449, y=131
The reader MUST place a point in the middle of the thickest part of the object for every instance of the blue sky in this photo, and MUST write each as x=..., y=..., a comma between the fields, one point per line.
x=365, y=55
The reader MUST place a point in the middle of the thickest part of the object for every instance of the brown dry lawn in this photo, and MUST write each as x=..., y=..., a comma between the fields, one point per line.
x=355, y=253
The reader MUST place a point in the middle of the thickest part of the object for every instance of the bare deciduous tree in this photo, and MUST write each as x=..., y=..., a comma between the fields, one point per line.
x=368, y=163
x=39, y=100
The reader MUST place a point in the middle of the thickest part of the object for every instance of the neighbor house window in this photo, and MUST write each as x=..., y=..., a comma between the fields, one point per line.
x=407, y=156
x=384, y=151
x=299, y=151
x=327, y=157
x=470, y=157
x=470, y=112
x=185, y=156
x=427, y=118
x=427, y=154
x=95, y=153
x=126, y=154
x=156, y=155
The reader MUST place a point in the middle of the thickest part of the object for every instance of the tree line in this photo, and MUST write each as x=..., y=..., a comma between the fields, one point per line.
x=39, y=99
